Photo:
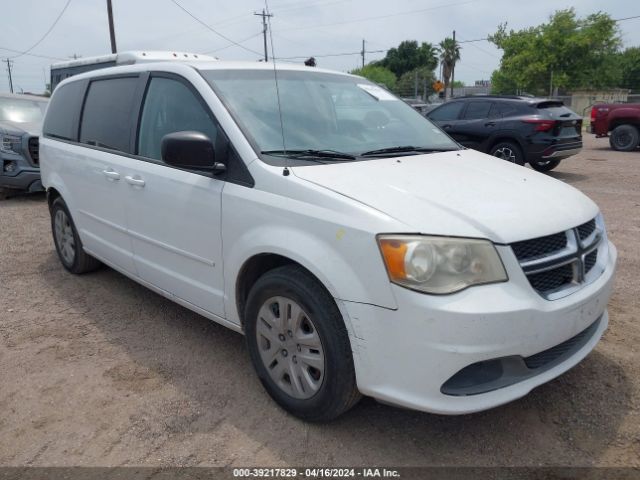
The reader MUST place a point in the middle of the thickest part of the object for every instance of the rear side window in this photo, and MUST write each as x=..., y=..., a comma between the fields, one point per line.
x=106, y=118
x=61, y=120
x=449, y=111
x=477, y=110
x=170, y=106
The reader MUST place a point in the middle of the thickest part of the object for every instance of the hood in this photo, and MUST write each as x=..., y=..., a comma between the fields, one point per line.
x=461, y=193
x=33, y=128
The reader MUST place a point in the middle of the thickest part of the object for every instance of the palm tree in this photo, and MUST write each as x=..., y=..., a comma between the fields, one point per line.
x=449, y=55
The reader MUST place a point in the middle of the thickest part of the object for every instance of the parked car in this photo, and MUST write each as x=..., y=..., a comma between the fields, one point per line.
x=418, y=105
x=521, y=130
x=20, y=125
x=360, y=250
x=619, y=121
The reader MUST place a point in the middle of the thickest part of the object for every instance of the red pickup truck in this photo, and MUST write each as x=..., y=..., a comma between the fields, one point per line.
x=621, y=121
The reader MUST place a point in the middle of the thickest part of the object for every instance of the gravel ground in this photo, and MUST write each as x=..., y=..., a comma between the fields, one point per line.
x=97, y=370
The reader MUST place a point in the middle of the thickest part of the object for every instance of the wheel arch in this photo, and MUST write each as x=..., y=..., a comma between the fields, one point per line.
x=506, y=137
x=617, y=122
x=252, y=269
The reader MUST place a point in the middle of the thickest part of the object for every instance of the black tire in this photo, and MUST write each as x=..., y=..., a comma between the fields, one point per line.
x=337, y=392
x=80, y=261
x=509, y=151
x=4, y=193
x=544, y=165
x=624, y=138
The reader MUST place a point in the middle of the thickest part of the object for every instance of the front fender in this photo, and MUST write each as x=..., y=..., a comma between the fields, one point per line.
x=324, y=240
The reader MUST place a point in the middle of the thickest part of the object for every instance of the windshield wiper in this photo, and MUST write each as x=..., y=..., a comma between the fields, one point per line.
x=310, y=153
x=405, y=149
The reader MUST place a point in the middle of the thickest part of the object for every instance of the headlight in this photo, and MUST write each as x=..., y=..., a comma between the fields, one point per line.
x=11, y=143
x=440, y=264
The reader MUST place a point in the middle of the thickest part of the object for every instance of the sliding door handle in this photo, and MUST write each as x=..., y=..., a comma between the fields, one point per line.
x=138, y=182
x=111, y=174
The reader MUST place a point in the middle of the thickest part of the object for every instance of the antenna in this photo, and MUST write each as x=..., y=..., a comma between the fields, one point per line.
x=285, y=172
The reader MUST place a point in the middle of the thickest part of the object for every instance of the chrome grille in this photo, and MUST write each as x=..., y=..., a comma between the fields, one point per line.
x=586, y=229
x=539, y=246
x=590, y=261
x=34, y=150
x=554, y=279
x=558, y=264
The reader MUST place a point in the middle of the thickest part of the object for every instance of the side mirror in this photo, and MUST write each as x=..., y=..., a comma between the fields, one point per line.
x=191, y=151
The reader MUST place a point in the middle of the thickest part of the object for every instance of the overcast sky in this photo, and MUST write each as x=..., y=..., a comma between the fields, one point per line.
x=300, y=28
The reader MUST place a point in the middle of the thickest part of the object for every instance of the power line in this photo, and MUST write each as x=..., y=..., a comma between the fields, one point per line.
x=232, y=45
x=213, y=30
x=486, y=39
x=31, y=54
x=331, y=55
x=46, y=33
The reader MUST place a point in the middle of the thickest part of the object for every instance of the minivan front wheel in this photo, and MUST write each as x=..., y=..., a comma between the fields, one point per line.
x=508, y=151
x=299, y=345
x=67, y=242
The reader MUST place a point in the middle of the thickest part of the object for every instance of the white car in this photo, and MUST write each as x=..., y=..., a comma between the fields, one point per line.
x=358, y=248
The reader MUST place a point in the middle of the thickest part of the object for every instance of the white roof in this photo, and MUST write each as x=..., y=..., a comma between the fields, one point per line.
x=131, y=57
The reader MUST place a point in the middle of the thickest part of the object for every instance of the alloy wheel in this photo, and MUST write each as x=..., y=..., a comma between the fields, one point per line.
x=505, y=153
x=64, y=237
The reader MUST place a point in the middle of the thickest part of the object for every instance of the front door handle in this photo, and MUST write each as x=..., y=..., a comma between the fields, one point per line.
x=138, y=182
x=490, y=124
x=445, y=127
x=111, y=174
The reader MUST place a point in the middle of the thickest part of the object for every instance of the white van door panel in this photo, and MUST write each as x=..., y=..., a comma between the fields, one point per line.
x=101, y=216
x=174, y=224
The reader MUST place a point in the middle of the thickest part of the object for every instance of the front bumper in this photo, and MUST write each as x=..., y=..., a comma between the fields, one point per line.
x=22, y=180
x=405, y=356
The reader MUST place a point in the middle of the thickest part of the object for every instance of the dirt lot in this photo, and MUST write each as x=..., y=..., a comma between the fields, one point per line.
x=97, y=370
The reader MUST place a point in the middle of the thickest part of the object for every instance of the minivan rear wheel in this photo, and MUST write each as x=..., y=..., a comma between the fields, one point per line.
x=544, y=165
x=508, y=151
x=624, y=138
x=299, y=345
x=67, y=242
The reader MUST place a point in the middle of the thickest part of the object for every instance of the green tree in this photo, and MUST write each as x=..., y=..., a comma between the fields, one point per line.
x=628, y=63
x=567, y=52
x=458, y=84
x=449, y=56
x=419, y=80
x=409, y=56
x=377, y=74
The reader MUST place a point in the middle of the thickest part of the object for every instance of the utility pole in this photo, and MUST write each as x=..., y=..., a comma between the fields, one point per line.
x=264, y=16
x=9, y=62
x=453, y=65
x=112, y=32
x=362, y=53
x=551, y=84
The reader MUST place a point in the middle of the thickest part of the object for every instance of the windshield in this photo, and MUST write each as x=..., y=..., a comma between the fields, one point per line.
x=20, y=110
x=322, y=111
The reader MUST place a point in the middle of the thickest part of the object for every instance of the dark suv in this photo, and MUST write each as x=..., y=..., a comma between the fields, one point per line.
x=518, y=129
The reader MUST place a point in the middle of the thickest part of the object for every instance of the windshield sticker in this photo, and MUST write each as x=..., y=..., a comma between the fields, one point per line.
x=376, y=92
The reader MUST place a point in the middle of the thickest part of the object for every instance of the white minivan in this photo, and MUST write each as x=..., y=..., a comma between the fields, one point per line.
x=358, y=248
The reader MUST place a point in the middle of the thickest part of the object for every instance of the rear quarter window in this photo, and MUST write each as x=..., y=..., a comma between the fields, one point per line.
x=61, y=120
